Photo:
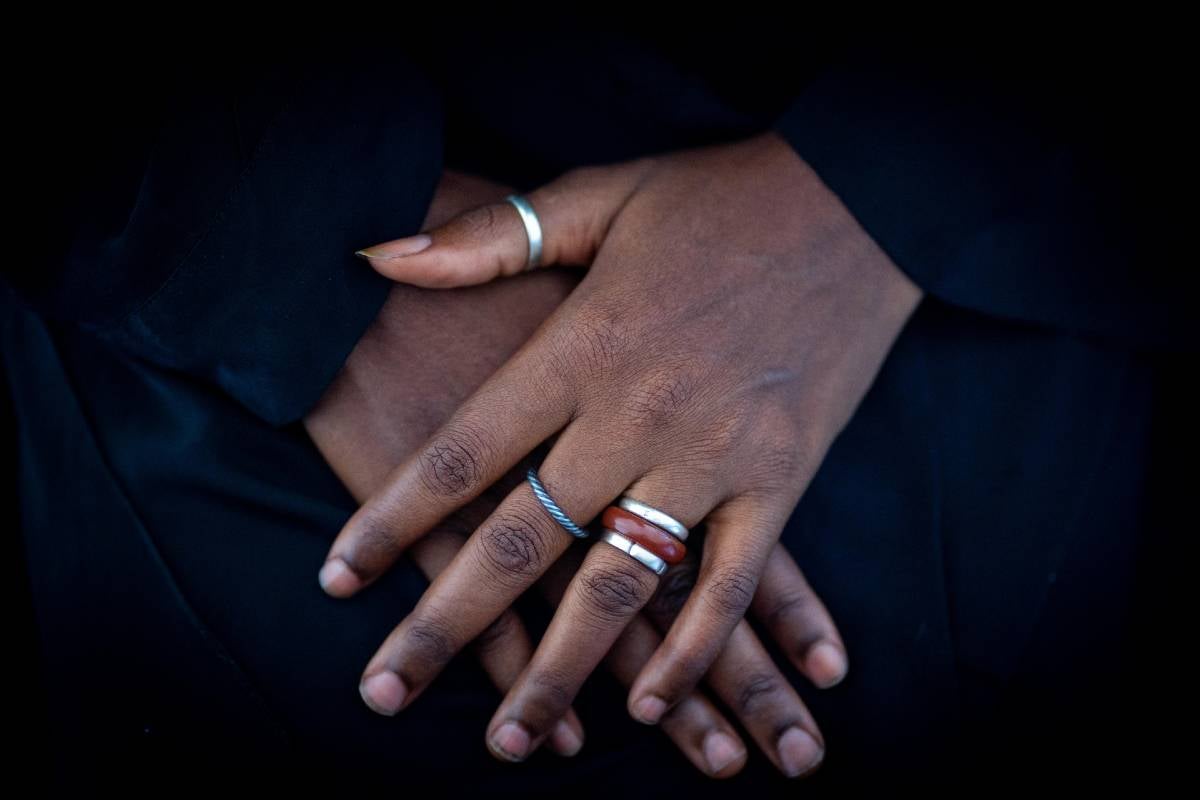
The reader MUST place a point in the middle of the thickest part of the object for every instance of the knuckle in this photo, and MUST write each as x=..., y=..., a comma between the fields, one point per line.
x=730, y=591
x=756, y=693
x=594, y=342
x=780, y=458
x=452, y=464
x=614, y=592
x=553, y=690
x=784, y=606
x=432, y=640
x=478, y=221
x=513, y=545
x=502, y=630
x=376, y=535
x=657, y=400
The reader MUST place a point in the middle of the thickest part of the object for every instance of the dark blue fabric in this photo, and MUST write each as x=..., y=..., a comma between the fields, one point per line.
x=1020, y=178
x=225, y=245
x=990, y=485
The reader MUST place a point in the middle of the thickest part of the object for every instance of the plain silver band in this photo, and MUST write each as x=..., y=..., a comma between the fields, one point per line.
x=533, y=229
x=655, y=517
x=636, y=550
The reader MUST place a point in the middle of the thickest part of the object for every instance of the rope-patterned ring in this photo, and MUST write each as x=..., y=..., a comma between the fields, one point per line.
x=552, y=508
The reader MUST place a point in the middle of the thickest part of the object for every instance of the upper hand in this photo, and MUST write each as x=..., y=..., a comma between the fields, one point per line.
x=733, y=316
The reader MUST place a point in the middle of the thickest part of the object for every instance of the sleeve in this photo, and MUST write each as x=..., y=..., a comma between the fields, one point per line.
x=206, y=215
x=1015, y=182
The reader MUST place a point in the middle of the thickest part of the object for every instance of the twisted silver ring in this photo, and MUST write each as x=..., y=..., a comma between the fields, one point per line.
x=533, y=229
x=551, y=507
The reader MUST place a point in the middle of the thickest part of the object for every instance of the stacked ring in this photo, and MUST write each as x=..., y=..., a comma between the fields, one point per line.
x=655, y=517
x=629, y=527
x=636, y=550
x=651, y=537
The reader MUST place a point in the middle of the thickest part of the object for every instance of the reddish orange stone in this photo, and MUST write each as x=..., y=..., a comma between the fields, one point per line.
x=648, y=535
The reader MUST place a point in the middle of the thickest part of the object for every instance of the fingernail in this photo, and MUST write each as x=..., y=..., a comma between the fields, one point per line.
x=336, y=578
x=798, y=752
x=401, y=247
x=564, y=739
x=649, y=709
x=384, y=692
x=720, y=750
x=828, y=663
x=511, y=741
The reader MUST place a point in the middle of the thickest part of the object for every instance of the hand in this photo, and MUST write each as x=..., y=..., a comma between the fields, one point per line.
x=423, y=355
x=741, y=457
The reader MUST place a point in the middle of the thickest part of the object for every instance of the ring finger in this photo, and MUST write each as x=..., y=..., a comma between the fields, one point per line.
x=605, y=594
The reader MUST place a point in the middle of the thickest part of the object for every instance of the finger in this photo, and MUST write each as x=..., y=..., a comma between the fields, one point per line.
x=490, y=240
x=798, y=620
x=515, y=410
x=696, y=725
x=509, y=552
x=503, y=647
x=604, y=595
x=748, y=681
x=739, y=536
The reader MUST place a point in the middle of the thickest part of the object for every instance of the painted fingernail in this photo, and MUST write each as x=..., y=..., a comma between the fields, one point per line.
x=828, y=664
x=384, y=692
x=401, y=247
x=511, y=741
x=798, y=752
x=720, y=750
x=649, y=709
x=336, y=578
x=564, y=740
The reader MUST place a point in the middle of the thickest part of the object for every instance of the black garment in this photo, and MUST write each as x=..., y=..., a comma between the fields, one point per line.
x=989, y=486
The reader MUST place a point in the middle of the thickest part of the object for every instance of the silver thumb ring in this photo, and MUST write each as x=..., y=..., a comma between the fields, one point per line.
x=533, y=229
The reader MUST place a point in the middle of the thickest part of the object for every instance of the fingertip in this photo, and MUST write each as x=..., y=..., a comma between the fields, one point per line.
x=397, y=248
x=337, y=579
x=565, y=739
x=721, y=752
x=826, y=663
x=649, y=709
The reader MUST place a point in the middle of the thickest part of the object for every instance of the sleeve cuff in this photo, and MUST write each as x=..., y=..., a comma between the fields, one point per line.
x=271, y=300
x=987, y=179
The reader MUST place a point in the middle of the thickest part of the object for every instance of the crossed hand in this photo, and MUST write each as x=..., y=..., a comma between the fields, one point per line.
x=731, y=317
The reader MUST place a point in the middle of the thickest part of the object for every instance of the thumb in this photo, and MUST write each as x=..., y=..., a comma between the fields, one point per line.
x=489, y=241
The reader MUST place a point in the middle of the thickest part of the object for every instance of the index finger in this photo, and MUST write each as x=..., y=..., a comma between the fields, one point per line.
x=515, y=410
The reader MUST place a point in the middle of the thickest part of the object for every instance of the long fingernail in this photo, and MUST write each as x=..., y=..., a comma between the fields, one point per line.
x=401, y=247
x=564, y=740
x=720, y=750
x=828, y=661
x=384, y=692
x=511, y=741
x=336, y=578
x=798, y=752
x=649, y=709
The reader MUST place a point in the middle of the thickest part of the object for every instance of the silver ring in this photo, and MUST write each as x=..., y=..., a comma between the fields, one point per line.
x=551, y=507
x=533, y=229
x=636, y=550
x=655, y=517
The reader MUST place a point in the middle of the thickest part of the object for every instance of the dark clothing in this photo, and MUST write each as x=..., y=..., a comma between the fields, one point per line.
x=200, y=294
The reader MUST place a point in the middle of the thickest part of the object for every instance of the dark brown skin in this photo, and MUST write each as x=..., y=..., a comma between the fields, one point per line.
x=678, y=359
